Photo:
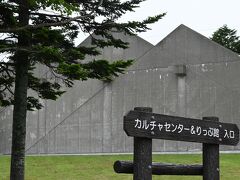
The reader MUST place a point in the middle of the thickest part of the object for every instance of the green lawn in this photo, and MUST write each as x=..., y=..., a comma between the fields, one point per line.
x=100, y=167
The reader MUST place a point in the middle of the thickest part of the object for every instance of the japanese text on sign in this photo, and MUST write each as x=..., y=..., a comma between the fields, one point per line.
x=180, y=128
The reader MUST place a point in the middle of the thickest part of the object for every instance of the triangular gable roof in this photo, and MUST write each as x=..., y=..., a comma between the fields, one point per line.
x=185, y=46
x=137, y=47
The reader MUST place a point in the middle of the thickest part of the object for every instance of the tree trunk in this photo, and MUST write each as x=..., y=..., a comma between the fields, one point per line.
x=19, y=121
x=20, y=98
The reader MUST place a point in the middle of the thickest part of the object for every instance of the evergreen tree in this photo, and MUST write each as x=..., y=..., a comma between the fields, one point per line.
x=35, y=32
x=228, y=38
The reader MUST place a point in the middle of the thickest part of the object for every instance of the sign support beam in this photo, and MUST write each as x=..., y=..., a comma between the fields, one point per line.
x=142, y=154
x=211, y=157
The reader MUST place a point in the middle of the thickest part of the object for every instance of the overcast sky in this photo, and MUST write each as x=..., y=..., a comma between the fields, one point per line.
x=203, y=16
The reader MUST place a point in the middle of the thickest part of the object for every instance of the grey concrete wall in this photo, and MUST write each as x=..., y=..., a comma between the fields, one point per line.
x=89, y=117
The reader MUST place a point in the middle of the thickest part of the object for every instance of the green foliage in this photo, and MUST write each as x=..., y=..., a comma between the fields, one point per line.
x=7, y=16
x=73, y=71
x=227, y=37
x=45, y=90
x=105, y=71
x=50, y=37
x=33, y=103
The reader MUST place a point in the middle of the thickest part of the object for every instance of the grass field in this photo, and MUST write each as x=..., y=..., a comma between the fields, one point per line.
x=100, y=167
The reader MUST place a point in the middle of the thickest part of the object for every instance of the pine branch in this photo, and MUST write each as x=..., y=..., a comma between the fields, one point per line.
x=7, y=63
x=61, y=23
x=49, y=15
x=30, y=27
x=16, y=49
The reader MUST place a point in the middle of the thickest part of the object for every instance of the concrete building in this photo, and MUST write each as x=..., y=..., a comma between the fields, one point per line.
x=185, y=74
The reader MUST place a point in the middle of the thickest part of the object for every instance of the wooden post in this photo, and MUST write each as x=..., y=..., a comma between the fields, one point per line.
x=211, y=158
x=142, y=154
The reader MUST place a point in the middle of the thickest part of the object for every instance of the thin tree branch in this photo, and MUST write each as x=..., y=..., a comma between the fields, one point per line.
x=9, y=89
x=50, y=15
x=64, y=79
x=6, y=72
x=17, y=49
x=7, y=63
x=3, y=90
x=5, y=68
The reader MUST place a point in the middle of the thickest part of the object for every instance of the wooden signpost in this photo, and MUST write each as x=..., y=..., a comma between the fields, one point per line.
x=158, y=126
x=144, y=126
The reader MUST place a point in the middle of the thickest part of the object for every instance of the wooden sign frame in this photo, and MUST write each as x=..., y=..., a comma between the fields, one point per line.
x=159, y=126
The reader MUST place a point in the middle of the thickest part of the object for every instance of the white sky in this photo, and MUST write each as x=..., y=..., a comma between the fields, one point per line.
x=203, y=16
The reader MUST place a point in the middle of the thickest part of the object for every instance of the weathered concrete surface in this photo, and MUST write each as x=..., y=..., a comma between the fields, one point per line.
x=89, y=117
